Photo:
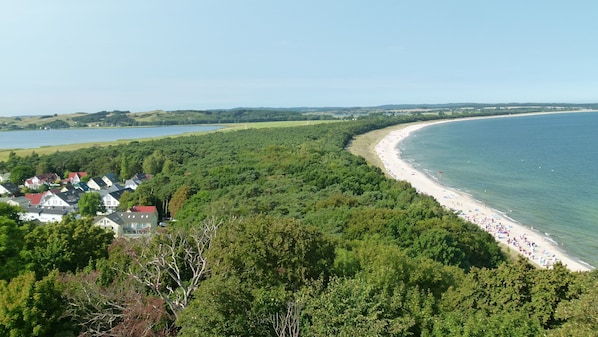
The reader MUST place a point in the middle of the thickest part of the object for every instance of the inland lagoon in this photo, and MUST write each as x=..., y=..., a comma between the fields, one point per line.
x=31, y=139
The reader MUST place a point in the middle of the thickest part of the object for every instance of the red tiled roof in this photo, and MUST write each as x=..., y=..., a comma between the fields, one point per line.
x=148, y=209
x=35, y=198
x=72, y=175
x=80, y=174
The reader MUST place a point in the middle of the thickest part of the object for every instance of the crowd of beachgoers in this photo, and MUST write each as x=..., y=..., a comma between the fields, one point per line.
x=524, y=240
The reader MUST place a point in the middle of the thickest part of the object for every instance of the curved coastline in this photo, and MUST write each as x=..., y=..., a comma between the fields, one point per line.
x=533, y=245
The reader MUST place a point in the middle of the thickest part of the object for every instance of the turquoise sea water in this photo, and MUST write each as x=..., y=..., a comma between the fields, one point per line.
x=539, y=170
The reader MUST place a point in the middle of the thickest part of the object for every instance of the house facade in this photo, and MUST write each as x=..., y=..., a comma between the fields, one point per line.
x=42, y=179
x=18, y=202
x=110, y=179
x=44, y=214
x=8, y=188
x=69, y=198
x=96, y=184
x=111, y=200
x=128, y=224
x=4, y=177
x=137, y=180
x=75, y=177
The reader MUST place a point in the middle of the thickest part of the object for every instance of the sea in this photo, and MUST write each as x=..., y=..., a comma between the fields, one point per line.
x=31, y=139
x=539, y=170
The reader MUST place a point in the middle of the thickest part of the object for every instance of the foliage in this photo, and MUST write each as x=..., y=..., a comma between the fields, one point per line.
x=580, y=313
x=513, y=290
x=256, y=265
x=264, y=250
x=178, y=199
x=32, y=308
x=69, y=245
x=310, y=240
x=11, y=241
x=90, y=204
x=20, y=173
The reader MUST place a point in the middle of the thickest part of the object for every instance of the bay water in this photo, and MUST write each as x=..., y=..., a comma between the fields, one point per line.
x=30, y=139
x=539, y=170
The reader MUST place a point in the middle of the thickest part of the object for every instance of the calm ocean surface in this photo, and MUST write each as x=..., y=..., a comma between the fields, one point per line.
x=541, y=171
x=38, y=138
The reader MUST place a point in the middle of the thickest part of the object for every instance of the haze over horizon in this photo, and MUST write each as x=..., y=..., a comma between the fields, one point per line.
x=65, y=56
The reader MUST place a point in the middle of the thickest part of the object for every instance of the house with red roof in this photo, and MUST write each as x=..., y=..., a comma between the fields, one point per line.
x=34, y=198
x=42, y=179
x=130, y=224
x=75, y=177
x=149, y=209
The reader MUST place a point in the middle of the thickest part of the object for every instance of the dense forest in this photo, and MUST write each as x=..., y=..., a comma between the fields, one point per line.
x=275, y=232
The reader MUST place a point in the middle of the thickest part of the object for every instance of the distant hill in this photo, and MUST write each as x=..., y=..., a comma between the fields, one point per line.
x=119, y=118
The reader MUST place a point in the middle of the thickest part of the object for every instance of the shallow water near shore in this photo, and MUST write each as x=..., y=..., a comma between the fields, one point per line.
x=540, y=170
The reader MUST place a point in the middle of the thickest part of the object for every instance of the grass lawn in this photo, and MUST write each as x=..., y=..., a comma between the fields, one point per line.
x=364, y=145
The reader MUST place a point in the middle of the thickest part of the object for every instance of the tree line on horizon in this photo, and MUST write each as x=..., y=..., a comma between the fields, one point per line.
x=278, y=232
x=118, y=118
x=124, y=118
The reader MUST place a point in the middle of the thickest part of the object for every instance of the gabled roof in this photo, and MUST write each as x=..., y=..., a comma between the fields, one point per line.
x=71, y=196
x=48, y=176
x=137, y=217
x=115, y=218
x=34, y=198
x=116, y=187
x=124, y=218
x=97, y=181
x=48, y=210
x=10, y=187
x=72, y=175
x=111, y=176
x=21, y=201
x=147, y=209
x=142, y=177
x=119, y=193
x=82, y=186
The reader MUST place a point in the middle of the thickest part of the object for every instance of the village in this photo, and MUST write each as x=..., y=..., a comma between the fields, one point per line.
x=57, y=198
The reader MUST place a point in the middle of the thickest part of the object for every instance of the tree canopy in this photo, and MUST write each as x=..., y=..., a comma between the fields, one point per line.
x=276, y=232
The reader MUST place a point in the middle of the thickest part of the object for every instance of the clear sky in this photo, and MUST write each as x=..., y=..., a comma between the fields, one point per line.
x=68, y=56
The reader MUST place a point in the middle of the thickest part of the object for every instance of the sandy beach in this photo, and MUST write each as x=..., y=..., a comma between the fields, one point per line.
x=521, y=239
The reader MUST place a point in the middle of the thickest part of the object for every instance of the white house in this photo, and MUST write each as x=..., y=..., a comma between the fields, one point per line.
x=69, y=198
x=128, y=224
x=8, y=188
x=42, y=179
x=96, y=184
x=111, y=200
x=137, y=180
x=4, y=177
x=75, y=177
x=110, y=179
x=44, y=214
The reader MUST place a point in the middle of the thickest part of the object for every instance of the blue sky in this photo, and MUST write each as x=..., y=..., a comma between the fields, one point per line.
x=69, y=56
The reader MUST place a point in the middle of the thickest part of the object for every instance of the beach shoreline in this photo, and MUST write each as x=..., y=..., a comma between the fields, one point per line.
x=537, y=248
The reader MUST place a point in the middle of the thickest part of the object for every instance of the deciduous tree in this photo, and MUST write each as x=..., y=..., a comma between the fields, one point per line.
x=90, y=204
x=172, y=264
x=32, y=308
x=68, y=245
